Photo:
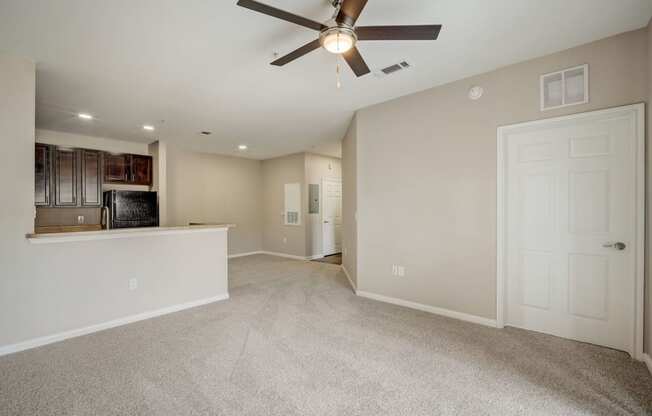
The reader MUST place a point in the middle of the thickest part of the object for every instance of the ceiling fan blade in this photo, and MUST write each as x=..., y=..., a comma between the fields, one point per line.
x=421, y=32
x=350, y=11
x=298, y=53
x=356, y=62
x=280, y=14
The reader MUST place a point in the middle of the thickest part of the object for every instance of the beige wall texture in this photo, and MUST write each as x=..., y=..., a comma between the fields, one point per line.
x=318, y=167
x=278, y=237
x=426, y=169
x=350, y=201
x=158, y=150
x=48, y=289
x=648, y=268
x=210, y=188
x=58, y=138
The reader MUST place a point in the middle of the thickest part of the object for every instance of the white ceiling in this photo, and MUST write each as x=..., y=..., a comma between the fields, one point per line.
x=204, y=64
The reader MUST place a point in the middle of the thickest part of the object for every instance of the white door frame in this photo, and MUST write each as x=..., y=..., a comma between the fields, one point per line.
x=323, y=201
x=638, y=110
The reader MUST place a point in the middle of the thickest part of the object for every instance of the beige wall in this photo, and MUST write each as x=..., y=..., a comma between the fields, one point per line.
x=204, y=187
x=90, y=142
x=158, y=150
x=648, y=303
x=350, y=201
x=277, y=237
x=427, y=172
x=318, y=167
x=48, y=289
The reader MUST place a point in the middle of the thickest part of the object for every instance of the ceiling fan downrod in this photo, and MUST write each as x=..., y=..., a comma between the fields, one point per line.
x=338, y=5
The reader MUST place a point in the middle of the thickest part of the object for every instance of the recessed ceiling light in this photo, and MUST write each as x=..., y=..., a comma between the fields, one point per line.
x=148, y=127
x=243, y=147
x=85, y=116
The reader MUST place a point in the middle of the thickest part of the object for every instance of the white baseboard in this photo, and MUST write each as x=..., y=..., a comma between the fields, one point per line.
x=251, y=253
x=648, y=361
x=348, y=276
x=431, y=309
x=287, y=256
x=272, y=253
x=49, y=339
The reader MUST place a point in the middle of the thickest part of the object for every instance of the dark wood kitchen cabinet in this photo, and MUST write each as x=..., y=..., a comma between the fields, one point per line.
x=65, y=177
x=116, y=168
x=91, y=178
x=43, y=173
x=141, y=170
x=128, y=169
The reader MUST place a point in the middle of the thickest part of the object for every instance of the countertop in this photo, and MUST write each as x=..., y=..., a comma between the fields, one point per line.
x=124, y=233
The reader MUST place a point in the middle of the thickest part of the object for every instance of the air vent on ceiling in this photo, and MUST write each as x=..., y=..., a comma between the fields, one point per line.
x=392, y=69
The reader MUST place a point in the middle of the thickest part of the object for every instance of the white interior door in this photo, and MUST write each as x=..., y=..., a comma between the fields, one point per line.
x=571, y=227
x=332, y=217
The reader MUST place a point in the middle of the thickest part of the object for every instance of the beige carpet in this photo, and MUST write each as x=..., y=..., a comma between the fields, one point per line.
x=294, y=340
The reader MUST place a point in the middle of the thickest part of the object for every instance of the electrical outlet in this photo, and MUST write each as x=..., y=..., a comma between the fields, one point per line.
x=133, y=284
x=345, y=251
x=285, y=240
x=398, y=270
x=80, y=219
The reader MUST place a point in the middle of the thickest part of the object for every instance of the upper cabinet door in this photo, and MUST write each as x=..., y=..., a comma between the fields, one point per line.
x=91, y=174
x=116, y=168
x=141, y=170
x=65, y=175
x=42, y=175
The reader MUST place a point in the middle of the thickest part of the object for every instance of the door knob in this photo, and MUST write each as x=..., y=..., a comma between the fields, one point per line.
x=618, y=246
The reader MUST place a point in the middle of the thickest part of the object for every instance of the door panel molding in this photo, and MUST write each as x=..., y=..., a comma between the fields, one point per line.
x=636, y=113
x=324, y=205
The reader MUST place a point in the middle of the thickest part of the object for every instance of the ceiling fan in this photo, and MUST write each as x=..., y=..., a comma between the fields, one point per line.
x=340, y=35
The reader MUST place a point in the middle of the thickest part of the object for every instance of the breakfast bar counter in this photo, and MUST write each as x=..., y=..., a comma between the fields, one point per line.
x=124, y=233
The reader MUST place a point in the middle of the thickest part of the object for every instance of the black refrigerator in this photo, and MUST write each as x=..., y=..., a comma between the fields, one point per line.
x=130, y=209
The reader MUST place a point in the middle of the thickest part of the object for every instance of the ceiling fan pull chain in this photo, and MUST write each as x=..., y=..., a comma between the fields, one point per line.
x=338, y=71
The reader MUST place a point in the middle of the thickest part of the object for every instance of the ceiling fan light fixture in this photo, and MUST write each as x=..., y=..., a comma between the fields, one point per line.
x=338, y=40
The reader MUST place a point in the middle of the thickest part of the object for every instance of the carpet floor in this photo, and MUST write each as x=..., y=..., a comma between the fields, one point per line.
x=294, y=340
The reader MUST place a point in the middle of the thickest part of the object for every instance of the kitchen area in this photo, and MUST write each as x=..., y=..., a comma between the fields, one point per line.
x=85, y=245
x=78, y=189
